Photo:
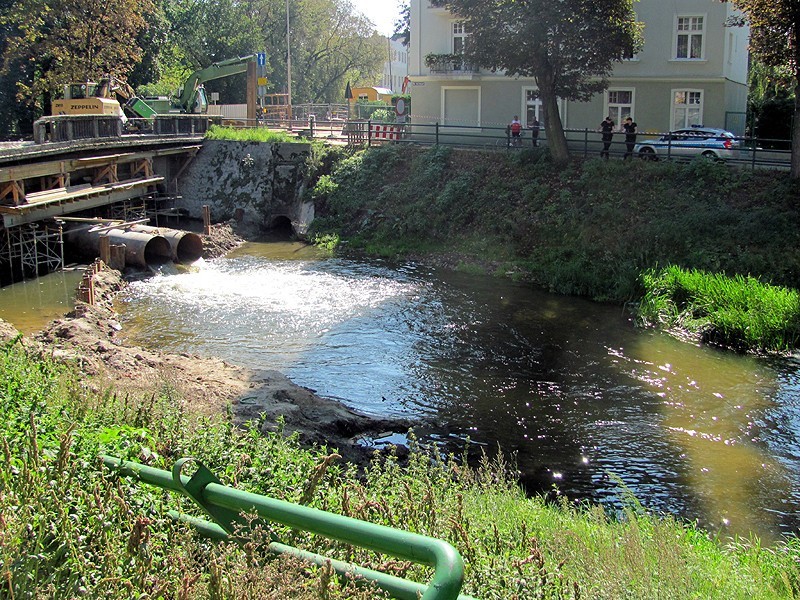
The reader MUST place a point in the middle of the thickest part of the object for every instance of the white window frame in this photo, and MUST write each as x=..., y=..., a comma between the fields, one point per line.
x=607, y=105
x=462, y=35
x=443, y=116
x=674, y=106
x=703, y=33
x=537, y=104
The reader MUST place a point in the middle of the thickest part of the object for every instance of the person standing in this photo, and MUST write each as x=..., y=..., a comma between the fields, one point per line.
x=515, y=128
x=630, y=136
x=534, y=125
x=607, y=130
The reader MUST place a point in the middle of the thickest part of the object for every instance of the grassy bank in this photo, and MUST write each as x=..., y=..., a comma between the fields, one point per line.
x=69, y=529
x=591, y=229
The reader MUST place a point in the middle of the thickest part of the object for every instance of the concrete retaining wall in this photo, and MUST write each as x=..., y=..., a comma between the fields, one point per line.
x=252, y=182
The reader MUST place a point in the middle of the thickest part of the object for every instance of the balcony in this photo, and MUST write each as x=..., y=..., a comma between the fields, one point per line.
x=449, y=64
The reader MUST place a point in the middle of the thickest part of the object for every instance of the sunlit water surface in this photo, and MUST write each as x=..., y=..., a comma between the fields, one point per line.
x=583, y=398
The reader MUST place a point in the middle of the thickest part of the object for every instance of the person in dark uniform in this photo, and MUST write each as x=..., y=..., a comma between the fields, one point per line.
x=630, y=136
x=607, y=130
x=534, y=125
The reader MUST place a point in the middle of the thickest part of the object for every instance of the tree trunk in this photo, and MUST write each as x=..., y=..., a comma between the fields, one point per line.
x=796, y=130
x=554, y=128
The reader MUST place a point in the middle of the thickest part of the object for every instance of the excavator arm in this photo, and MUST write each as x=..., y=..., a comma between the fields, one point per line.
x=192, y=96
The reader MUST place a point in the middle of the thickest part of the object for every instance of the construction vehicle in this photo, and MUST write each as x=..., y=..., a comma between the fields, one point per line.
x=191, y=98
x=87, y=98
x=90, y=98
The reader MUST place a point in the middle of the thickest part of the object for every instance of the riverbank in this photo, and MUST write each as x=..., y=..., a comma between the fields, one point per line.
x=594, y=228
x=87, y=339
x=83, y=394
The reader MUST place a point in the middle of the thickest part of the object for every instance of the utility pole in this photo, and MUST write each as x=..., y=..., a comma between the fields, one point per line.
x=288, y=66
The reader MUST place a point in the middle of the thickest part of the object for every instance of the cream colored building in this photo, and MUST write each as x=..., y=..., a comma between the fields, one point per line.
x=692, y=70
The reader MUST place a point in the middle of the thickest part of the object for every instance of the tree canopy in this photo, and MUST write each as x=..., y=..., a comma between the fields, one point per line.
x=775, y=41
x=569, y=47
x=155, y=44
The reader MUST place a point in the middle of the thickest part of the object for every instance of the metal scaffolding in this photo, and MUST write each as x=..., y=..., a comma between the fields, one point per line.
x=32, y=249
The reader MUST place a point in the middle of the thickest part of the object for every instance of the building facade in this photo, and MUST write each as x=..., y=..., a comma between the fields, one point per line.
x=692, y=70
x=395, y=67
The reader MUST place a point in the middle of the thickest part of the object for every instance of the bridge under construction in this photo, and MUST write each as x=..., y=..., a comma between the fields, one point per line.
x=45, y=189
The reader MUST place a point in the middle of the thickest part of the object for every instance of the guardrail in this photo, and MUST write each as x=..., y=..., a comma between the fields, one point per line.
x=751, y=152
x=225, y=505
x=66, y=128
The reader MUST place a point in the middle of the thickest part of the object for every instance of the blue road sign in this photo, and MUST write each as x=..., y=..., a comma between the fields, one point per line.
x=261, y=59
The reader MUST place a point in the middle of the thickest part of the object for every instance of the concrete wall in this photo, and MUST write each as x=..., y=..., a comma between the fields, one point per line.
x=252, y=182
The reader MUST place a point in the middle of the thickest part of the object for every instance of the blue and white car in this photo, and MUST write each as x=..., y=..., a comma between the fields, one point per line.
x=715, y=144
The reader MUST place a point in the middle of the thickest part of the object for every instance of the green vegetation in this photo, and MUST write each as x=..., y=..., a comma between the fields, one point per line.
x=255, y=134
x=69, y=528
x=589, y=229
x=736, y=311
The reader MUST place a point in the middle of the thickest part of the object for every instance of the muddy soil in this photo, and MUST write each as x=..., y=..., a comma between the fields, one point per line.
x=86, y=337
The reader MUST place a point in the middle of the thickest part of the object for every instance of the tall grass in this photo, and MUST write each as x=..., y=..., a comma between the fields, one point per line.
x=739, y=312
x=255, y=134
x=69, y=528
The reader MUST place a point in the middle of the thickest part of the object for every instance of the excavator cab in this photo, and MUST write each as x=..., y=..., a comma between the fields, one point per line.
x=87, y=98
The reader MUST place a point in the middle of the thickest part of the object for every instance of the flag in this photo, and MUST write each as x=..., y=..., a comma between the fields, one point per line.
x=348, y=93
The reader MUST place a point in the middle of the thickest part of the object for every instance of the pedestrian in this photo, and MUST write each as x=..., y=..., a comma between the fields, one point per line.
x=607, y=129
x=534, y=125
x=630, y=136
x=515, y=128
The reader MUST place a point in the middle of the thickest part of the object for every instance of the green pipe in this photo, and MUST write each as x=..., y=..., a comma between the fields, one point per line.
x=399, y=588
x=224, y=504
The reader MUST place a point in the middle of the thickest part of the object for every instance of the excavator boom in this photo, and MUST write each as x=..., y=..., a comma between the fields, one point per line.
x=191, y=98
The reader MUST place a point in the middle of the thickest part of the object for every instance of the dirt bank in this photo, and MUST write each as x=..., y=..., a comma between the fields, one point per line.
x=87, y=337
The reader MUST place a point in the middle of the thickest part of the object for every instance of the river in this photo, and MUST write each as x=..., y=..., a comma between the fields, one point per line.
x=586, y=401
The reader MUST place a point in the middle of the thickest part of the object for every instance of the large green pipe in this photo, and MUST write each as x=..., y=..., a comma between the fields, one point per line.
x=218, y=499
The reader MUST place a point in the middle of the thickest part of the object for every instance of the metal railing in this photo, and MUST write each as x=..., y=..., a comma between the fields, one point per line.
x=66, y=128
x=750, y=152
x=225, y=506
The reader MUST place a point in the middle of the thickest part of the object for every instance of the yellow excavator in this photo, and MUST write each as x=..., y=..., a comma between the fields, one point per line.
x=90, y=98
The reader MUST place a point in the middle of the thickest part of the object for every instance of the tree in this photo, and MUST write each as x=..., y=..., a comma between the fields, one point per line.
x=569, y=47
x=775, y=41
x=72, y=40
x=402, y=27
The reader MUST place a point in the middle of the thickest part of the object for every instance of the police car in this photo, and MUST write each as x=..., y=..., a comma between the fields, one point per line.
x=715, y=144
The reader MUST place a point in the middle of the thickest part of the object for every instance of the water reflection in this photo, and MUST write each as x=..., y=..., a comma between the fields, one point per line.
x=569, y=385
x=31, y=304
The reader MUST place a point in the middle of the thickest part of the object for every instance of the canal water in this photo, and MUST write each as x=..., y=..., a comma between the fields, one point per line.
x=587, y=402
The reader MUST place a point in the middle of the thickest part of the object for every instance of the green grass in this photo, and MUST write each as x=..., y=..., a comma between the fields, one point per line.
x=256, y=134
x=68, y=528
x=739, y=312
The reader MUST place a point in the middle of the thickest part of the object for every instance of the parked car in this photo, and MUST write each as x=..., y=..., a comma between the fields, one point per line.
x=716, y=144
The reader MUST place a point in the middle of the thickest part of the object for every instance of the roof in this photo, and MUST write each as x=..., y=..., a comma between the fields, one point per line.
x=381, y=90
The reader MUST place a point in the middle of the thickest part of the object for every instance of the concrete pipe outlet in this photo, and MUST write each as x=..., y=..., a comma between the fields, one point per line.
x=187, y=247
x=141, y=249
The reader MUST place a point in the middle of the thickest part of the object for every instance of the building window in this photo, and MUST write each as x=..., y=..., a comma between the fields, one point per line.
x=689, y=38
x=532, y=107
x=459, y=38
x=687, y=108
x=619, y=105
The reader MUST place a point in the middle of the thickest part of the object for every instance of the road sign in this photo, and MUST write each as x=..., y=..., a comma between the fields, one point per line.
x=261, y=59
x=262, y=81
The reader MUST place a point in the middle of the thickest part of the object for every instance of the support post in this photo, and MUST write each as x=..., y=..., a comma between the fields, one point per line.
x=206, y=219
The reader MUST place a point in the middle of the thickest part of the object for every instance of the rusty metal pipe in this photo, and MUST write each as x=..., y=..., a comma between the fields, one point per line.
x=141, y=249
x=187, y=247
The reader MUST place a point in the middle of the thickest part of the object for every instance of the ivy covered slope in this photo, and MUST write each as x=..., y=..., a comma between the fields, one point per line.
x=593, y=228
x=69, y=528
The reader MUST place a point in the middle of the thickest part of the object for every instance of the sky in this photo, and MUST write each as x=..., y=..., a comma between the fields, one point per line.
x=383, y=13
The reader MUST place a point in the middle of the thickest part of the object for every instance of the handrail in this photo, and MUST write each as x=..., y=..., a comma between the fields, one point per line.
x=225, y=505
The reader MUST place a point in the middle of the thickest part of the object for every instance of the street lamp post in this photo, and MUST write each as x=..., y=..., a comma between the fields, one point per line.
x=288, y=66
